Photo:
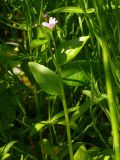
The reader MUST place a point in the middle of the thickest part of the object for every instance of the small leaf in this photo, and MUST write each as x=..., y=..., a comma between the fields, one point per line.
x=39, y=126
x=70, y=49
x=46, y=78
x=36, y=128
x=38, y=42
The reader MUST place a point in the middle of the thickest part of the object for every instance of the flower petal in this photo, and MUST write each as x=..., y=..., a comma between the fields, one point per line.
x=45, y=24
x=51, y=20
x=51, y=24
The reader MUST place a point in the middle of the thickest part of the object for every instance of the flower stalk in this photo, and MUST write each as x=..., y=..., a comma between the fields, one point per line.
x=62, y=93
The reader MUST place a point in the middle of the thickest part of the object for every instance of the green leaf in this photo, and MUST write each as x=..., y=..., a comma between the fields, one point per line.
x=70, y=49
x=5, y=149
x=38, y=42
x=80, y=111
x=76, y=73
x=107, y=158
x=73, y=125
x=37, y=127
x=72, y=10
x=6, y=156
x=82, y=154
x=57, y=117
x=46, y=78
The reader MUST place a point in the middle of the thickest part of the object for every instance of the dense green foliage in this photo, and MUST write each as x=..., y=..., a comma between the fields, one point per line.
x=60, y=86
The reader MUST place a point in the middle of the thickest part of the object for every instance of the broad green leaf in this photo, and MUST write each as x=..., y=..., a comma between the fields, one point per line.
x=46, y=78
x=82, y=154
x=76, y=73
x=38, y=42
x=70, y=49
x=72, y=10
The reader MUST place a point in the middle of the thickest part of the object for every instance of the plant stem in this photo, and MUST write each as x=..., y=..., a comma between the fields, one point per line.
x=62, y=94
x=111, y=102
x=66, y=117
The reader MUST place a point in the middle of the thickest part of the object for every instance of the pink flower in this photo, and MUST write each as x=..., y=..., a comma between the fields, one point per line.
x=51, y=24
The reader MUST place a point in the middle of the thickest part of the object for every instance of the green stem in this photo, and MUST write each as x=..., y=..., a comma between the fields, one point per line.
x=62, y=94
x=111, y=102
x=66, y=115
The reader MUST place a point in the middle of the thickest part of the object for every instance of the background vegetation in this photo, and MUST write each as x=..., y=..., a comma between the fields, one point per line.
x=60, y=88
